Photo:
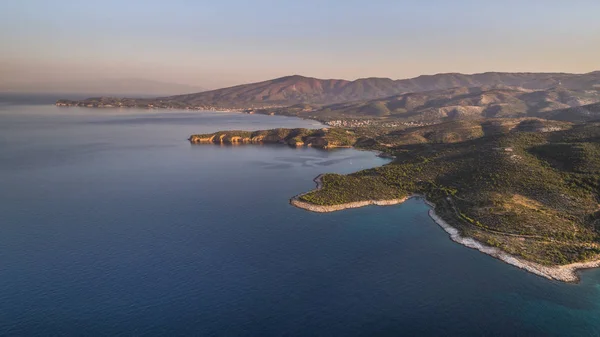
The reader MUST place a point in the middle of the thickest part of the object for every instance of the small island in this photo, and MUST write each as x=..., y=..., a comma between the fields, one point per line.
x=524, y=191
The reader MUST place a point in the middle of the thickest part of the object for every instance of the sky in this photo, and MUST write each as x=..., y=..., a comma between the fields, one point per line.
x=220, y=43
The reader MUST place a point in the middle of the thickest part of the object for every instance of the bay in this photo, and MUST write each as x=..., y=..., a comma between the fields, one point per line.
x=113, y=224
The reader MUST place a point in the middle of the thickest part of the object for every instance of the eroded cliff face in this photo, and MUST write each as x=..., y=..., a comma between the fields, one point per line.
x=231, y=139
x=321, y=138
x=198, y=139
x=223, y=138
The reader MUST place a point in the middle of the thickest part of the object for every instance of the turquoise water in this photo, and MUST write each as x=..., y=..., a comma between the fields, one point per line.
x=113, y=224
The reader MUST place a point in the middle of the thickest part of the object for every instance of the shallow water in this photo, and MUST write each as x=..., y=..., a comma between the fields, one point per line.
x=112, y=223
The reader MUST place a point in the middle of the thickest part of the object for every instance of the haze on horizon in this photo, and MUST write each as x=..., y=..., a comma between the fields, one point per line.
x=56, y=45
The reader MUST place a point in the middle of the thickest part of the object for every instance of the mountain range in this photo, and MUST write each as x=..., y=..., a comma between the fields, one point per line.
x=297, y=89
x=450, y=95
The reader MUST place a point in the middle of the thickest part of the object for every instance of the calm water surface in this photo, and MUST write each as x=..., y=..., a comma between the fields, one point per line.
x=113, y=224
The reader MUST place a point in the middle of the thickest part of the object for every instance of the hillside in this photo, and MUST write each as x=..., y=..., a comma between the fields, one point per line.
x=577, y=114
x=460, y=103
x=454, y=131
x=296, y=89
x=534, y=195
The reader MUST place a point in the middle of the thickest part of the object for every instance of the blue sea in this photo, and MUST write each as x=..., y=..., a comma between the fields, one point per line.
x=112, y=224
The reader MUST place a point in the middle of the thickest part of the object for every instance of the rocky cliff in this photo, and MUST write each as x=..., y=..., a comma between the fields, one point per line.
x=320, y=138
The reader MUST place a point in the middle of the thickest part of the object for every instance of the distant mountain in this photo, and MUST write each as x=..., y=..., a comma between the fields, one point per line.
x=292, y=90
x=296, y=89
x=534, y=81
x=279, y=92
x=116, y=87
x=282, y=91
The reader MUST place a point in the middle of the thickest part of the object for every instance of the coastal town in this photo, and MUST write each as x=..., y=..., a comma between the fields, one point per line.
x=358, y=123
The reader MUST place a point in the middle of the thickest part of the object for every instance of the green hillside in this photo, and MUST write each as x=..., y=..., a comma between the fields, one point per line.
x=533, y=194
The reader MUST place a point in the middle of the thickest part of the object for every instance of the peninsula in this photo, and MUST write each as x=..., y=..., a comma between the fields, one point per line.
x=510, y=160
x=525, y=191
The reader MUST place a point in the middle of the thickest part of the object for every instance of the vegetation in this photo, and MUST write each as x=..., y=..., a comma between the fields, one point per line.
x=533, y=194
x=577, y=114
x=342, y=189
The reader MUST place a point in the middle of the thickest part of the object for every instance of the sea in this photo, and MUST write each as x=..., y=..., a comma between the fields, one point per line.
x=113, y=224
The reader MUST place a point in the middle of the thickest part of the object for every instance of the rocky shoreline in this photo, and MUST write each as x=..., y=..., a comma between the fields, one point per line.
x=564, y=273
x=324, y=138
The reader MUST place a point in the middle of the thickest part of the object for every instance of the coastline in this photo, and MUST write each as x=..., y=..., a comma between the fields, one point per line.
x=565, y=273
x=333, y=208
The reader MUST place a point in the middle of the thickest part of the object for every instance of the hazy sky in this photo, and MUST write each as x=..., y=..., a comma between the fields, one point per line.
x=224, y=42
